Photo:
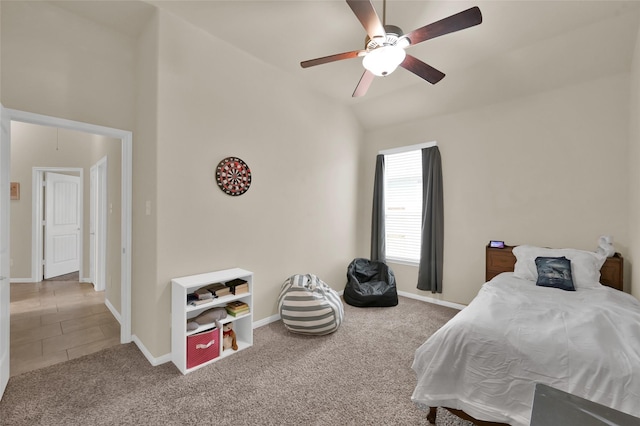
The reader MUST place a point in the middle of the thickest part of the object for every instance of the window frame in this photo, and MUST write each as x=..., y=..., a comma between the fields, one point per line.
x=400, y=150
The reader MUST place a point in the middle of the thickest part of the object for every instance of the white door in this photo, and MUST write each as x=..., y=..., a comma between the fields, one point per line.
x=93, y=178
x=5, y=317
x=62, y=224
x=98, y=225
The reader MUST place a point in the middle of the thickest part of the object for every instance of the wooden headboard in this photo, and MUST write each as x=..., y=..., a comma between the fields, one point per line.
x=500, y=260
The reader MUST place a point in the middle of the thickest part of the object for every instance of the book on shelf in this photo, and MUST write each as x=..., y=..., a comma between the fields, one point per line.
x=238, y=286
x=237, y=304
x=238, y=313
x=203, y=293
x=197, y=302
x=237, y=308
x=218, y=289
x=243, y=288
x=212, y=290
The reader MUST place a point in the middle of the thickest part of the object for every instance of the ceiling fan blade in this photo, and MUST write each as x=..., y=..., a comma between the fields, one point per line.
x=366, y=14
x=331, y=58
x=453, y=23
x=363, y=84
x=421, y=69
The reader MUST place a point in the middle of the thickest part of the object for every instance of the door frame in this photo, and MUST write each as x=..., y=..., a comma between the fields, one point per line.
x=126, y=138
x=5, y=289
x=37, y=234
x=98, y=209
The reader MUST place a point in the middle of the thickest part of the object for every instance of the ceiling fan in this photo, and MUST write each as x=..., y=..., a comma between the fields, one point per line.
x=385, y=44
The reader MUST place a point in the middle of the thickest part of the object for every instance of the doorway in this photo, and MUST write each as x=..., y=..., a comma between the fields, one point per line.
x=125, y=137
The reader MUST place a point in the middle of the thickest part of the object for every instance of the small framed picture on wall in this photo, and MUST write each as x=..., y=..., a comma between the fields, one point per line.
x=15, y=191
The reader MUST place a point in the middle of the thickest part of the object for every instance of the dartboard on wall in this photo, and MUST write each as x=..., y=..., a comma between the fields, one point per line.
x=233, y=176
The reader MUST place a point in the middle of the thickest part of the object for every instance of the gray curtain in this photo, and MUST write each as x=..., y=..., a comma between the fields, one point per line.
x=430, y=270
x=377, y=217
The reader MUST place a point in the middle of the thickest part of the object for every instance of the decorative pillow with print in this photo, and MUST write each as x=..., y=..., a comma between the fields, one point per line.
x=554, y=272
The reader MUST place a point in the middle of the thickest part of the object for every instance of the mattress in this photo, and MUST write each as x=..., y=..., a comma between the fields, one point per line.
x=487, y=359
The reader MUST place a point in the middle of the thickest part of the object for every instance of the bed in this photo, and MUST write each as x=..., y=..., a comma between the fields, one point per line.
x=484, y=363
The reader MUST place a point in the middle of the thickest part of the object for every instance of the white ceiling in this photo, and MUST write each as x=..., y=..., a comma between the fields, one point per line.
x=522, y=47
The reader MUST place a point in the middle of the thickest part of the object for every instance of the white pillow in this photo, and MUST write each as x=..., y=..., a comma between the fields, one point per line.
x=585, y=265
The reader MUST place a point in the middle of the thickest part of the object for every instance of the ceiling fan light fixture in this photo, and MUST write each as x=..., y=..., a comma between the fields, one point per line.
x=403, y=42
x=384, y=60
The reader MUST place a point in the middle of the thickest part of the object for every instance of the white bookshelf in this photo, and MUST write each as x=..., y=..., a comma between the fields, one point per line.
x=181, y=312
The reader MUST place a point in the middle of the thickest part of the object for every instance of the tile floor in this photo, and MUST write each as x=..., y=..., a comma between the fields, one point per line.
x=54, y=321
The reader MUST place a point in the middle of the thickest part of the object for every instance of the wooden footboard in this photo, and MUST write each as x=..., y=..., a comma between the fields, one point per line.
x=431, y=417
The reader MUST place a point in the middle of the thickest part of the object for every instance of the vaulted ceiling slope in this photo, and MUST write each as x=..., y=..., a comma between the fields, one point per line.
x=522, y=47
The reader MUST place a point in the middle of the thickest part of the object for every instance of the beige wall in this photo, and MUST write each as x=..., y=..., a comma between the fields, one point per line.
x=57, y=64
x=549, y=169
x=145, y=309
x=299, y=216
x=42, y=146
x=192, y=100
x=633, y=257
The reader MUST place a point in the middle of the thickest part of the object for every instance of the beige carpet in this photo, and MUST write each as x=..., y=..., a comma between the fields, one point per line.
x=359, y=375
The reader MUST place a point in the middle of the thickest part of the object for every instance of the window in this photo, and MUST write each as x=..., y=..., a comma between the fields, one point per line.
x=403, y=205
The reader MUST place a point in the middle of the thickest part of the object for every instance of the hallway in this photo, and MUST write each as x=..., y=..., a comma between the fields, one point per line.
x=56, y=320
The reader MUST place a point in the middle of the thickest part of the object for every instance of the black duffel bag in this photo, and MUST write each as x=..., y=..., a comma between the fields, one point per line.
x=370, y=283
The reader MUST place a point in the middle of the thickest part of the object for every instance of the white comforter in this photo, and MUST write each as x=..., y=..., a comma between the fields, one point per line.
x=486, y=360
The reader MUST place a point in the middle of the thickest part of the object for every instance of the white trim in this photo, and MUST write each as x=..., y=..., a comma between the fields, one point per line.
x=267, y=320
x=45, y=120
x=125, y=239
x=127, y=151
x=100, y=217
x=152, y=360
x=20, y=280
x=5, y=249
x=113, y=310
x=432, y=300
x=402, y=149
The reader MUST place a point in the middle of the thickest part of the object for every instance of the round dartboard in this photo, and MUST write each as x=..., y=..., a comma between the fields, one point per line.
x=233, y=176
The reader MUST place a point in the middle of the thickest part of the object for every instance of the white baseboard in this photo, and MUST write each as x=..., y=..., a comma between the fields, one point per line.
x=115, y=313
x=152, y=360
x=431, y=300
x=267, y=320
x=21, y=280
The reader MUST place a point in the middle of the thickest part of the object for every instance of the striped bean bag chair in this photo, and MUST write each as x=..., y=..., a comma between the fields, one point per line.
x=307, y=305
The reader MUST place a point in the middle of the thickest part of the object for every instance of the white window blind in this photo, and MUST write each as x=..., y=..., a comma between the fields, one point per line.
x=403, y=205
